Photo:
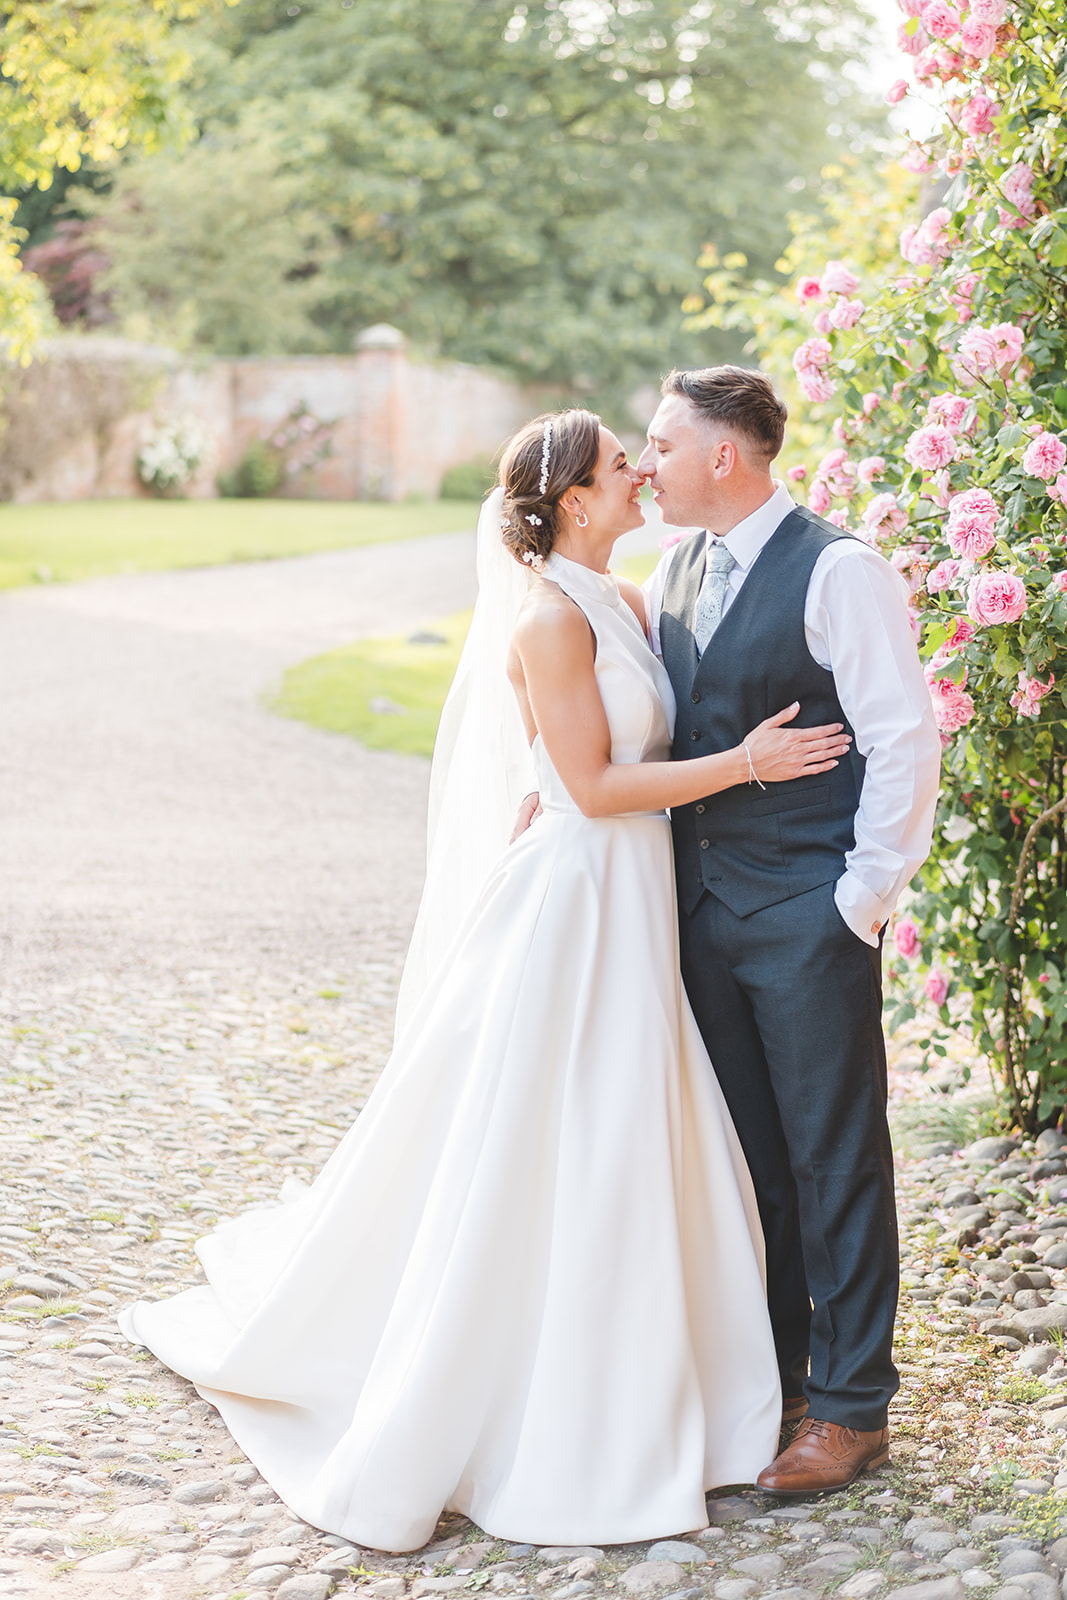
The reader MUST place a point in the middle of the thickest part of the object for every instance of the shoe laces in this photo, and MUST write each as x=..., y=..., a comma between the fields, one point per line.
x=816, y=1426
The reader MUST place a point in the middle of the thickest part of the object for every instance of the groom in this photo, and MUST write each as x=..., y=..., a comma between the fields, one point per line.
x=784, y=890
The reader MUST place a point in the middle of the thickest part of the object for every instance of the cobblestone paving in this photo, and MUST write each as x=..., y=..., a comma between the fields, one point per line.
x=146, y=1096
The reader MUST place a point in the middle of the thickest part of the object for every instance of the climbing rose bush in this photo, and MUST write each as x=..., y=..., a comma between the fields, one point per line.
x=948, y=381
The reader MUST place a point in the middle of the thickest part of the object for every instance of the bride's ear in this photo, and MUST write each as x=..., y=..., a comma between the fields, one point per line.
x=570, y=503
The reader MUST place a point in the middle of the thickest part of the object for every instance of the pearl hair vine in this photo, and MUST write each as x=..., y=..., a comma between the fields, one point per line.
x=546, y=446
x=534, y=559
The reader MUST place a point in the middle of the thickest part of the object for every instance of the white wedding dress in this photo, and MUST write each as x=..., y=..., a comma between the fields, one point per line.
x=528, y=1284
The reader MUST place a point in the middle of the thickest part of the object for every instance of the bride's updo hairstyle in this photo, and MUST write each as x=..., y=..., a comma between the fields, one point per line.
x=545, y=459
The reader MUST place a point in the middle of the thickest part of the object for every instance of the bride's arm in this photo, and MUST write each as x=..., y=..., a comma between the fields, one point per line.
x=554, y=646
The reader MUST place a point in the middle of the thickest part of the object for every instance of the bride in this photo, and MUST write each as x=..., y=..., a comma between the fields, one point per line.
x=527, y=1286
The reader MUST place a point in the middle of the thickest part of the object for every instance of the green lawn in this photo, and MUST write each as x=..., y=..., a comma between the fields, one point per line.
x=388, y=693
x=86, y=538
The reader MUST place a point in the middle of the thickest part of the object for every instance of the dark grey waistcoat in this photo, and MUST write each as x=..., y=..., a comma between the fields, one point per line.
x=748, y=846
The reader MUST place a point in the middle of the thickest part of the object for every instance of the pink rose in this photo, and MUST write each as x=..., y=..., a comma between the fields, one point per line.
x=821, y=322
x=670, y=539
x=970, y=538
x=950, y=410
x=870, y=469
x=819, y=498
x=906, y=937
x=839, y=519
x=915, y=160
x=940, y=20
x=972, y=520
x=962, y=293
x=912, y=43
x=995, y=598
x=1017, y=184
x=962, y=634
x=992, y=11
x=1008, y=342
x=837, y=279
x=1044, y=456
x=808, y=289
x=846, y=313
x=979, y=38
x=831, y=461
x=977, y=113
x=944, y=576
x=796, y=474
x=953, y=706
x=896, y=91
x=996, y=349
x=813, y=353
x=1060, y=582
x=930, y=448
x=975, y=502
x=929, y=242
x=871, y=402
x=911, y=8
x=949, y=63
x=815, y=385
x=925, y=73
x=885, y=515
x=1030, y=693
x=1058, y=490
x=937, y=988
x=910, y=562
x=936, y=225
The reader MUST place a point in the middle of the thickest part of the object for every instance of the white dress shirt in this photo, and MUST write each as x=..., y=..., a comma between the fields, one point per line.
x=856, y=624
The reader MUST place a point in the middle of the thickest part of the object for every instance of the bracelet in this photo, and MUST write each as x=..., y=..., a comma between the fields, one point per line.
x=751, y=769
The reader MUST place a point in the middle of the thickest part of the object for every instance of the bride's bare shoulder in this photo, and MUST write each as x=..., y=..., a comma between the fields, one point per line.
x=550, y=620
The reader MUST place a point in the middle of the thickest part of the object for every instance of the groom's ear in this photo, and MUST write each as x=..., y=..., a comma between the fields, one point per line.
x=722, y=458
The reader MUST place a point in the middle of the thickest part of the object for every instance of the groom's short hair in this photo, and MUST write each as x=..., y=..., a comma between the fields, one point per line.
x=736, y=397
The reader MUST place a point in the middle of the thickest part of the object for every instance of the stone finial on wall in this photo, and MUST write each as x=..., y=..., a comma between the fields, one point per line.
x=382, y=336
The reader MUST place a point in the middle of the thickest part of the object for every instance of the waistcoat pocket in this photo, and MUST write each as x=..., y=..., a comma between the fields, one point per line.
x=795, y=800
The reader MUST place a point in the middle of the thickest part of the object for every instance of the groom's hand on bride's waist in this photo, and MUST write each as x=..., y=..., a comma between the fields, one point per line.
x=528, y=812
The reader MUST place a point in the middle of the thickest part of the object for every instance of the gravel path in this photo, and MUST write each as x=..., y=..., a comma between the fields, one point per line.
x=204, y=915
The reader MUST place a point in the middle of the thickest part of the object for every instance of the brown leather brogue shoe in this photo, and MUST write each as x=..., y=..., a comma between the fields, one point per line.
x=794, y=1410
x=823, y=1455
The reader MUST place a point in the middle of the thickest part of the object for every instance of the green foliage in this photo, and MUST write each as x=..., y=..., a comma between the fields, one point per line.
x=471, y=480
x=968, y=337
x=289, y=449
x=521, y=186
x=219, y=251
x=860, y=213
x=259, y=473
x=1021, y=1387
x=47, y=542
x=77, y=82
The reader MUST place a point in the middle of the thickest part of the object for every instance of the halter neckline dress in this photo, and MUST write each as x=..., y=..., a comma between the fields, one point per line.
x=527, y=1285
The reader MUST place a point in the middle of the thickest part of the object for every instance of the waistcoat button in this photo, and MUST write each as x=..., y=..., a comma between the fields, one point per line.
x=695, y=697
x=695, y=733
x=704, y=843
x=700, y=809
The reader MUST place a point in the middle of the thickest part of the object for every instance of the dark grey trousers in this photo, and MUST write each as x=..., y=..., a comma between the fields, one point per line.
x=789, y=1003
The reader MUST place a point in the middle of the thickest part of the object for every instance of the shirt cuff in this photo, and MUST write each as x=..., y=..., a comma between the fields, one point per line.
x=860, y=908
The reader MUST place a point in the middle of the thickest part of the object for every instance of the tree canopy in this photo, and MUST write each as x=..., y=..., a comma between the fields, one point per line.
x=525, y=185
x=77, y=82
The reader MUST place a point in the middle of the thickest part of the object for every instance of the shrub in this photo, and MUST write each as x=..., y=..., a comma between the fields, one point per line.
x=471, y=480
x=950, y=383
x=170, y=455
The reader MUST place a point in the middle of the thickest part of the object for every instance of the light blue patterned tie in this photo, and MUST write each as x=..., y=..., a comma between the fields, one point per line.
x=720, y=563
